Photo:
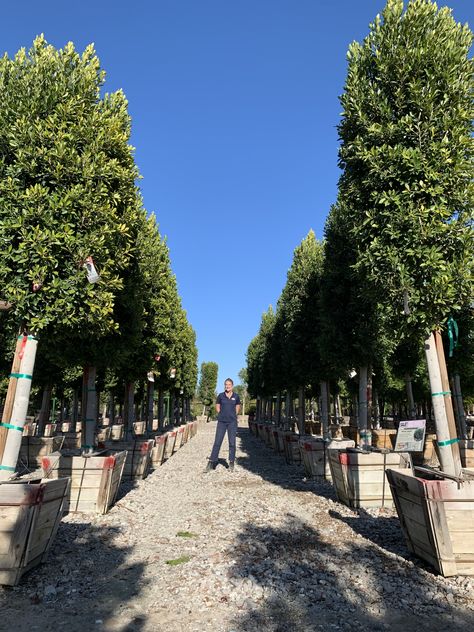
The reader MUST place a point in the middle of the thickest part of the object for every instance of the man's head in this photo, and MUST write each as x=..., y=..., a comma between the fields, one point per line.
x=228, y=385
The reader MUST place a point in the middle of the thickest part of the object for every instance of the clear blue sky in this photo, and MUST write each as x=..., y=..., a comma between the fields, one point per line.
x=234, y=106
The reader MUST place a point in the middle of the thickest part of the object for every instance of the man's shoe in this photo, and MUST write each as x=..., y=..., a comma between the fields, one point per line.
x=209, y=467
x=231, y=466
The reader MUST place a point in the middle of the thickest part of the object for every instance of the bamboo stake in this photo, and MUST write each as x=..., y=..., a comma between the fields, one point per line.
x=448, y=402
x=10, y=398
x=460, y=403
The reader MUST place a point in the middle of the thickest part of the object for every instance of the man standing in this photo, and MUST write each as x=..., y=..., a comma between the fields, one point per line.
x=227, y=407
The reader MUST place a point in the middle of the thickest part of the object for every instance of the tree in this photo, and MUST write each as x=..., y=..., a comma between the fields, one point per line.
x=207, y=385
x=407, y=155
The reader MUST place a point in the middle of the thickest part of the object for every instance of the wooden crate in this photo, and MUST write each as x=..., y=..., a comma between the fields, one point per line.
x=65, y=426
x=104, y=434
x=34, y=448
x=466, y=448
x=139, y=428
x=359, y=477
x=29, y=516
x=29, y=429
x=292, y=447
x=158, y=452
x=179, y=437
x=274, y=439
x=50, y=430
x=314, y=455
x=382, y=438
x=118, y=432
x=170, y=443
x=187, y=430
x=138, y=459
x=94, y=479
x=437, y=519
x=253, y=427
x=71, y=440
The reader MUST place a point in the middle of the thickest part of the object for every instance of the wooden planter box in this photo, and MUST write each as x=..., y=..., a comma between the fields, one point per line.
x=66, y=426
x=179, y=437
x=50, y=430
x=359, y=477
x=118, y=432
x=139, y=428
x=94, y=479
x=187, y=429
x=29, y=517
x=29, y=429
x=170, y=443
x=383, y=438
x=292, y=447
x=158, y=452
x=466, y=449
x=138, y=461
x=437, y=519
x=33, y=449
x=314, y=455
x=253, y=428
x=274, y=440
x=104, y=434
x=71, y=440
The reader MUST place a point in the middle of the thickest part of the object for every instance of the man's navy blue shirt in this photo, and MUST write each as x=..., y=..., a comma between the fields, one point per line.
x=228, y=405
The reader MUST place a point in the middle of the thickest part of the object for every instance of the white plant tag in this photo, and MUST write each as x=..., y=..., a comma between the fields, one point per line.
x=92, y=274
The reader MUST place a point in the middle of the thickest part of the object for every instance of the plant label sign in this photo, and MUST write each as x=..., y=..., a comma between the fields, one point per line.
x=411, y=436
x=92, y=274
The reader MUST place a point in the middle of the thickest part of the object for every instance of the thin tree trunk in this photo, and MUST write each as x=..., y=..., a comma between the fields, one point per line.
x=75, y=409
x=150, y=398
x=301, y=410
x=90, y=420
x=324, y=410
x=363, y=398
x=410, y=398
x=460, y=406
x=160, y=409
x=45, y=409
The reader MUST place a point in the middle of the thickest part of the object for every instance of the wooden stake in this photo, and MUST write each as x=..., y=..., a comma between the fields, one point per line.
x=10, y=398
x=448, y=402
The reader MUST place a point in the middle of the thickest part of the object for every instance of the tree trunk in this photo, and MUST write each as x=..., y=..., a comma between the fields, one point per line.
x=460, y=406
x=363, y=398
x=160, y=409
x=16, y=405
x=43, y=416
x=150, y=399
x=128, y=406
x=324, y=410
x=449, y=463
x=75, y=409
x=111, y=407
x=410, y=398
x=90, y=419
x=278, y=409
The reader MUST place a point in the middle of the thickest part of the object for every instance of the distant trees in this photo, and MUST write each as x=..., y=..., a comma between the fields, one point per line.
x=207, y=385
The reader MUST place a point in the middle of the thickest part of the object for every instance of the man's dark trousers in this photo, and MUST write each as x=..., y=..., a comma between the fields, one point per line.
x=222, y=427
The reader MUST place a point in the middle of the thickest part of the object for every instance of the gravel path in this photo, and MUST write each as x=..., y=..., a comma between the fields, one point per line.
x=257, y=550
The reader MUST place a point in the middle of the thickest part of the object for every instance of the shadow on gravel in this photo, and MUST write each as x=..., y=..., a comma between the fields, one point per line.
x=85, y=584
x=384, y=531
x=126, y=487
x=262, y=461
x=306, y=582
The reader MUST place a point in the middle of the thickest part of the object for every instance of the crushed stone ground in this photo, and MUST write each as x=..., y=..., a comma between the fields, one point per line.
x=260, y=549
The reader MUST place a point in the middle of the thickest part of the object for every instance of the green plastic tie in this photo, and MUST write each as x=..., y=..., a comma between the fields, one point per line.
x=21, y=375
x=9, y=468
x=19, y=428
x=448, y=442
x=442, y=393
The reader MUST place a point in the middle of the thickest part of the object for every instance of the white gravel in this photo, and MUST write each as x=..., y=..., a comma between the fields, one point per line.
x=266, y=550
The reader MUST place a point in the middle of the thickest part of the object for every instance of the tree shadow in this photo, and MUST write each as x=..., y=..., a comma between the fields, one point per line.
x=384, y=531
x=299, y=578
x=86, y=583
x=272, y=467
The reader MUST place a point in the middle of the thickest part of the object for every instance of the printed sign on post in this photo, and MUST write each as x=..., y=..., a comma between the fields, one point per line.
x=411, y=436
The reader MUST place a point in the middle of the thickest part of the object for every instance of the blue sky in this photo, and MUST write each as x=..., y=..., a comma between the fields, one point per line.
x=234, y=106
